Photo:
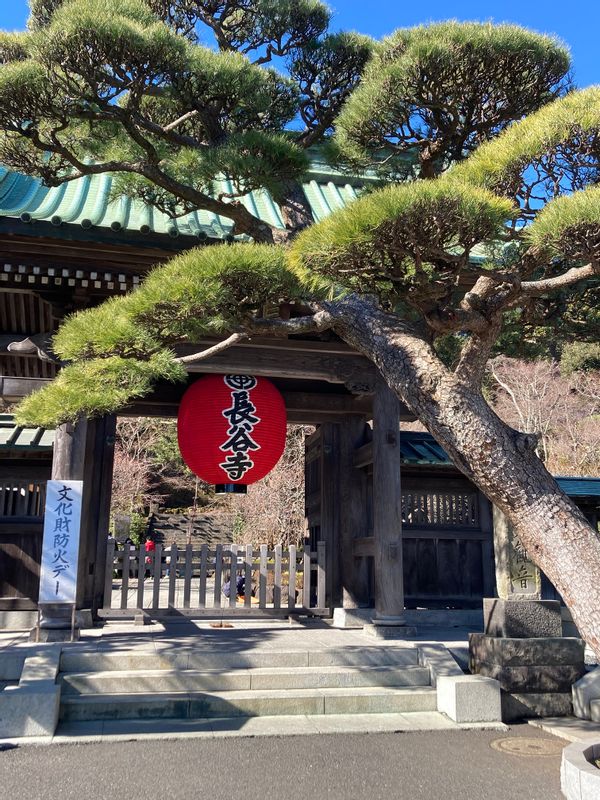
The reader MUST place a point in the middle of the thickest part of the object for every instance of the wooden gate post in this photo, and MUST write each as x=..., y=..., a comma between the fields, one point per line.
x=387, y=509
x=85, y=451
x=353, y=516
x=330, y=510
x=100, y=457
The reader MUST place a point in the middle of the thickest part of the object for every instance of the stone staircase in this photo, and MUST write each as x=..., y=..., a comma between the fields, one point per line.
x=194, y=685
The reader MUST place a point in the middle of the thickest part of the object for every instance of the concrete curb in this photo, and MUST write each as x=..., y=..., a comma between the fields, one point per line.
x=32, y=707
x=248, y=727
x=579, y=779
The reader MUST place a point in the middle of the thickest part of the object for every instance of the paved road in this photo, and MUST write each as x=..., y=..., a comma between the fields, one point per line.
x=410, y=766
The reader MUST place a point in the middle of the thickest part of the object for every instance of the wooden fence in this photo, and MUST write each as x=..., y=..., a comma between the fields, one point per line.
x=22, y=497
x=190, y=581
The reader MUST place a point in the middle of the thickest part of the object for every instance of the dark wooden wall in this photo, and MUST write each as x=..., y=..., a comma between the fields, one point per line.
x=22, y=484
x=448, y=557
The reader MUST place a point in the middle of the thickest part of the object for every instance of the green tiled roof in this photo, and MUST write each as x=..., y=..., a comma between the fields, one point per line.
x=422, y=448
x=580, y=487
x=85, y=203
x=15, y=437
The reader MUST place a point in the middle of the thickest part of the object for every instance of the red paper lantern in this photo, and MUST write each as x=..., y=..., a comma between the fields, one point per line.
x=231, y=428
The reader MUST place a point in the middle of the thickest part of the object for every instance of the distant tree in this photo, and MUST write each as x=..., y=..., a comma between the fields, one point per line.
x=273, y=510
x=496, y=229
x=149, y=469
x=580, y=356
x=563, y=411
x=126, y=86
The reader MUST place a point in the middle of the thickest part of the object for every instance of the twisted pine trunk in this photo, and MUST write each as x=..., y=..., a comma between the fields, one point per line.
x=498, y=459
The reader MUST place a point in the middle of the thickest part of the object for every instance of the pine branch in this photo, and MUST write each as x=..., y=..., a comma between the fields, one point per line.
x=214, y=350
x=569, y=278
x=315, y=323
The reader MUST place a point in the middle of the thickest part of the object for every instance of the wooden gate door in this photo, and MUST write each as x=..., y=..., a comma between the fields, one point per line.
x=21, y=530
x=211, y=581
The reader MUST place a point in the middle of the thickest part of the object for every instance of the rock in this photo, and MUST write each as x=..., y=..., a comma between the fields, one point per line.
x=522, y=618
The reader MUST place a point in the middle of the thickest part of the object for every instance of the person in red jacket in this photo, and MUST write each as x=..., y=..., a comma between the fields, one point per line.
x=150, y=546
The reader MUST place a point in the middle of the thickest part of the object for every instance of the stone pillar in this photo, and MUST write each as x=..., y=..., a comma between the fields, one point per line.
x=522, y=645
x=387, y=515
x=517, y=577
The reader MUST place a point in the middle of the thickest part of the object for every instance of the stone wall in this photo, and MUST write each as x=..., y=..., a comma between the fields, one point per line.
x=209, y=529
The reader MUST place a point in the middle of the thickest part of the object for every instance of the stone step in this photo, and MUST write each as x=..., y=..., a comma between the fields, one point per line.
x=143, y=681
x=280, y=702
x=229, y=660
x=595, y=710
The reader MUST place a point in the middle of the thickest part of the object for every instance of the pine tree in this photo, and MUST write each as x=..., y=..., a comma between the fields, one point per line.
x=489, y=221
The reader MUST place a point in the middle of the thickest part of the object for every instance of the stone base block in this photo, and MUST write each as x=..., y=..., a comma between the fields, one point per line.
x=550, y=651
x=535, y=675
x=540, y=678
x=352, y=617
x=29, y=711
x=17, y=620
x=439, y=661
x=469, y=698
x=380, y=631
x=527, y=705
x=585, y=690
x=54, y=635
x=518, y=619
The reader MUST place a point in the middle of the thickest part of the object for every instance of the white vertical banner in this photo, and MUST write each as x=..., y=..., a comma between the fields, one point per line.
x=60, y=547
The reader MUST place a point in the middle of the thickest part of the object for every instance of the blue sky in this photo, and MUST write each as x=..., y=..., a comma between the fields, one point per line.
x=576, y=22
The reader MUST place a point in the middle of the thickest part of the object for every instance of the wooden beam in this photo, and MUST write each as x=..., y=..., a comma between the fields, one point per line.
x=280, y=362
x=330, y=510
x=325, y=402
x=302, y=407
x=363, y=456
x=321, y=346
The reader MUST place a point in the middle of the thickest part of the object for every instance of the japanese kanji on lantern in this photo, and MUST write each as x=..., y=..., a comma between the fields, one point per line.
x=231, y=428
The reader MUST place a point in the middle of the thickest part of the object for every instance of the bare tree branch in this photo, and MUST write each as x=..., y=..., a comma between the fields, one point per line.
x=475, y=354
x=316, y=323
x=572, y=276
x=214, y=350
x=181, y=119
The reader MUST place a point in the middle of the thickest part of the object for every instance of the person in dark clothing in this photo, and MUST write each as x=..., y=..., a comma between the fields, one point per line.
x=240, y=585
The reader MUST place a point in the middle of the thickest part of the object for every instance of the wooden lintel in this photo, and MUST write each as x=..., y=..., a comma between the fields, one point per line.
x=283, y=363
x=334, y=346
x=303, y=408
x=363, y=546
x=334, y=403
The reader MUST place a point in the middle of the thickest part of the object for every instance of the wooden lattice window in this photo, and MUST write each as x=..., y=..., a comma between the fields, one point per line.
x=440, y=509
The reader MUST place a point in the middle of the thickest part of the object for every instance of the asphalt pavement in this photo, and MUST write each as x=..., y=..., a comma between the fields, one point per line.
x=458, y=765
